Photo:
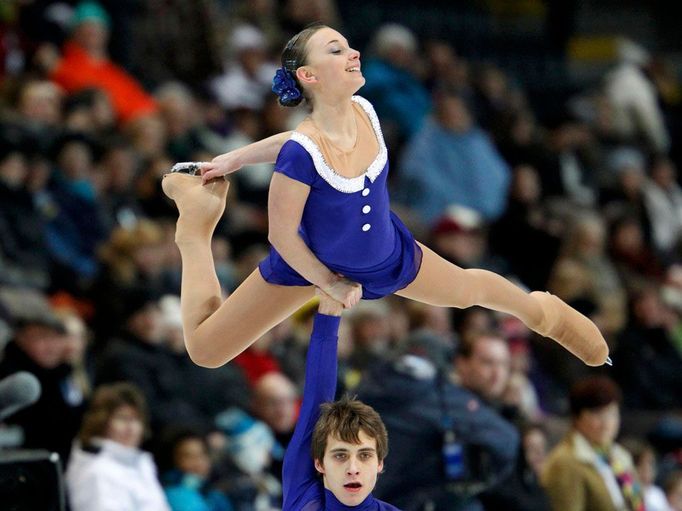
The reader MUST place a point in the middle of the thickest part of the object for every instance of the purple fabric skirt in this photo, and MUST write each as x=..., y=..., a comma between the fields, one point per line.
x=394, y=273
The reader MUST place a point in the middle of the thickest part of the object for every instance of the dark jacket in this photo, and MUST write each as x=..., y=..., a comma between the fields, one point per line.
x=649, y=368
x=520, y=491
x=153, y=369
x=23, y=252
x=413, y=410
x=177, y=390
x=53, y=421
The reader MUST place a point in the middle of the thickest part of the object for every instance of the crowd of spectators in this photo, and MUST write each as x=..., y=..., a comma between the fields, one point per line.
x=98, y=101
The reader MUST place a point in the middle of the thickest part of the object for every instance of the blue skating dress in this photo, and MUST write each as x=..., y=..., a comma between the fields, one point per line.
x=347, y=222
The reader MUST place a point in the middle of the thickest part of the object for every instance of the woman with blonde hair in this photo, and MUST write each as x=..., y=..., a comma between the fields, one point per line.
x=584, y=271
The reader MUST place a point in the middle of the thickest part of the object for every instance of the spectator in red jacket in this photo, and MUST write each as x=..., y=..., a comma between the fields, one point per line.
x=85, y=63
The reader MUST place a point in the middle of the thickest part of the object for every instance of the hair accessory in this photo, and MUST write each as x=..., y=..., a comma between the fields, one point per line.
x=284, y=86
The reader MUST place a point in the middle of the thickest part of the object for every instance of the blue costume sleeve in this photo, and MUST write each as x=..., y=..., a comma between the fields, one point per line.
x=299, y=477
x=294, y=161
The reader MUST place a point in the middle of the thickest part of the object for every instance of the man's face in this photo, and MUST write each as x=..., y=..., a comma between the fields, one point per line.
x=43, y=345
x=191, y=457
x=600, y=425
x=125, y=426
x=147, y=325
x=275, y=402
x=486, y=371
x=350, y=470
x=92, y=35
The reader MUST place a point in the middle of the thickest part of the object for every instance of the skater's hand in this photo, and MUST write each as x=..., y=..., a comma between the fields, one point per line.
x=344, y=291
x=328, y=305
x=220, y=166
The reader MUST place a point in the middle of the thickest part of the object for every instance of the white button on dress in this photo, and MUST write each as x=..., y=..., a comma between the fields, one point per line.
x=365, y=192
x=366, y=209
x=366, y=227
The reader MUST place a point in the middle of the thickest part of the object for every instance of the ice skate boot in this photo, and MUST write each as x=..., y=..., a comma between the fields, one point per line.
x=574, y=331
x=200, y=206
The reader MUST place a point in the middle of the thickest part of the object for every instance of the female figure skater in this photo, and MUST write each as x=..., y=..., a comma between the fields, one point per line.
x=330, y=225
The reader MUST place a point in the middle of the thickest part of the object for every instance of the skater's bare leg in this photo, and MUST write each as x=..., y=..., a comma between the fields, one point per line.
x=254, y=308
x=444, y=284
x=215, y=332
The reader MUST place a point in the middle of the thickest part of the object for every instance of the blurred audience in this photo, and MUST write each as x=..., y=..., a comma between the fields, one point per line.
x=663, y=200
x=464, y=445
x=187, y=476
x=637, y=114
x=649, y=365
x=482, y=365
x=393, y=85
x=39, y=347
x=521, y=491
x=583, y=271
x=567, y=169
x=452, y=161
x=460, y=235
x=526, y=223
x=673, y=490
x=588, y=470
x=247, y=79
x=139, y=355
x=275, y=401
x=85, y=63
x=645, y=461
x=23, y=237
x=132, y=258
x=108, y=469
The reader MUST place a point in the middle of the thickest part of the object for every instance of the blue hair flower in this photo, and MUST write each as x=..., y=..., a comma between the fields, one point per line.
x=284, y=85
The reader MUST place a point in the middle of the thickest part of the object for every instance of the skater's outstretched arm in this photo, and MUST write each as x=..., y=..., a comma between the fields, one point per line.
x=263, y=151
x=299, y=477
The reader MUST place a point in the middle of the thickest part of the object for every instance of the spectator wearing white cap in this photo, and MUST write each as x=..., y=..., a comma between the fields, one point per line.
x=663, y=202
x=460, y=235
x=392, y=84
x=248, y=75
x=637, y=115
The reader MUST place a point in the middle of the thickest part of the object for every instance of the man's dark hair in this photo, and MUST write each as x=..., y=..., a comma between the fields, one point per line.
x=344, y=419
x=592, y=393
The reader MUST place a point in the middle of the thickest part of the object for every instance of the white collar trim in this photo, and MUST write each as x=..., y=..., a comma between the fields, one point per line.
x=332, y=177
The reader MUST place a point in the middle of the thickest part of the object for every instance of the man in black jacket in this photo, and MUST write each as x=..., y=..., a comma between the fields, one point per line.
x=139, y=354
x=39, y=347
x=448, y=444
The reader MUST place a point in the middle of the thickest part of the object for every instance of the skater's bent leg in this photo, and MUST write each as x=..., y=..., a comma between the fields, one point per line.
x=215, y=333
x=444, y=284
x=254, y=308
x=200, y=208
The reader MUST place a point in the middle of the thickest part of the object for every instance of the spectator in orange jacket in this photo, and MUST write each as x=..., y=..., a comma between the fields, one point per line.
x=86, y=63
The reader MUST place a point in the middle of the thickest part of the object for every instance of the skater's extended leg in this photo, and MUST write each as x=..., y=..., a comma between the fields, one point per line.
x=444, y=284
